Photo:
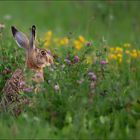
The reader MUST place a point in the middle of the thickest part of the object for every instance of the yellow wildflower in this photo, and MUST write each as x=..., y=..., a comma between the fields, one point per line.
x=81, y=39
x=118, y=49
x=48, y=38
x=134, y=54
x=62, y=42
x=134, y=51
x=47, y=44
x=138, y=53
x=76, y=42
x=66, y=40
x=49, y=33
x=111, y=49
x=78, y=47
x=112, y=56
x=119, y=55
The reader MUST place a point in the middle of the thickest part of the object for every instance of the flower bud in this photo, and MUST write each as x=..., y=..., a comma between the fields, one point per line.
x=94, y=78
x=89, y=44
x=103, y=62
x=76, y=59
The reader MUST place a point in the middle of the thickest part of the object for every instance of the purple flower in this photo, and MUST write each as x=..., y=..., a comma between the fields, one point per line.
x=76, y=59
x=103, y=62
x=89, y=44
x=94, y=78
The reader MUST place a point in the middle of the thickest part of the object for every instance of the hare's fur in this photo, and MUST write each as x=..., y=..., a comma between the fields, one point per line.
x=36, y=58
x=12, y=101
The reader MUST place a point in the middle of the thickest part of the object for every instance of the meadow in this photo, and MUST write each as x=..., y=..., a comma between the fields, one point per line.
x=92, y=91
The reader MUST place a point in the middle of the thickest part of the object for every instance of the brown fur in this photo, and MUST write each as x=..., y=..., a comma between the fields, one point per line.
x=11, y=91
x=36, y=58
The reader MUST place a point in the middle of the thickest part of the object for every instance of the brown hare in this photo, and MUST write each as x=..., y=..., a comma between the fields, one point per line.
x=12, y=101
x=36, y=58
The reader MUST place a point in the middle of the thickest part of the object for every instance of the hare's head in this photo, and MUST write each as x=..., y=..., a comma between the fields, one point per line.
x=36, y=58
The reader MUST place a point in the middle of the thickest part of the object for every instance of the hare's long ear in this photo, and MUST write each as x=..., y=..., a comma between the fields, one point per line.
x=20, y=38
x=32, y=37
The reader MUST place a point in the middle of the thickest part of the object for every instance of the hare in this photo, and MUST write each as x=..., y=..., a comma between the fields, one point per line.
x=36, y=58
x=11, y=100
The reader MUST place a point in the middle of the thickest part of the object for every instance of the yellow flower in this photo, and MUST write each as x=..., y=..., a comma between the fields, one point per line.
x=134, y=51
x=62, y=42
x=78, y=47
x=111, y=49
x=66, y=40
x=81, y=39
x=138, y=53
x=76, y=42
x=47, y=44
x=118, y=49
x=49, y=33
x=119, y=55
x=134, y=54
x=112, y=56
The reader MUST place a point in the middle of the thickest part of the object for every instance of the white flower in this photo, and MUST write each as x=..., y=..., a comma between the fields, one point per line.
x=56, y=87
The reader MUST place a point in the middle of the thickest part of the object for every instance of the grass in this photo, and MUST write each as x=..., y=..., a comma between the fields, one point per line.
x=79, y=109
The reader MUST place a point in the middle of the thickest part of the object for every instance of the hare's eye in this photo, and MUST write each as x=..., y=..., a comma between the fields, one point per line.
x=43, y=53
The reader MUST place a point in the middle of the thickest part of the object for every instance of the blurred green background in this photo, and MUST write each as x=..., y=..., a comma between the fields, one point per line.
x=116, y=21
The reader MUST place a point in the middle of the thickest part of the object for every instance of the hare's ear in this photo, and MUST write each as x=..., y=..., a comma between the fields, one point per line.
x=32, y=37
x=20, y=38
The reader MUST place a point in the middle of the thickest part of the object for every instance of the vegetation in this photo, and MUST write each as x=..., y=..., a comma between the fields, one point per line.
x=92, y=91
